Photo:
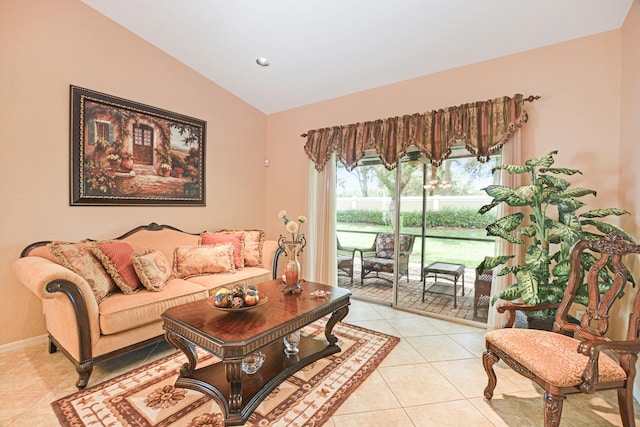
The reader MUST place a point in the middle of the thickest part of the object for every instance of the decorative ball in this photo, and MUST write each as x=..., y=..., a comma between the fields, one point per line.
x=251, y=298
x=222, y=301
x=237, y=302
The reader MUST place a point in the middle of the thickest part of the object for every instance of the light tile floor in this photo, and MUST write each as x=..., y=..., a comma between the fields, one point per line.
x=434, y=377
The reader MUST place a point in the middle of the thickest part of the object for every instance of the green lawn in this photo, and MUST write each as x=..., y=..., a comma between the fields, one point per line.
x=466, y=252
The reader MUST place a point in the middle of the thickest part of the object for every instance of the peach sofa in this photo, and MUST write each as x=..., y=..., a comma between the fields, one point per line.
x=89, y=327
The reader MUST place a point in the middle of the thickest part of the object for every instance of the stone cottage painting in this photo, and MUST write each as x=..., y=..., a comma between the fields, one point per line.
x=127, y=153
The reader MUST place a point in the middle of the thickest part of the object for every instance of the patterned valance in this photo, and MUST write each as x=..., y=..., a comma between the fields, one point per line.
x=482, y=127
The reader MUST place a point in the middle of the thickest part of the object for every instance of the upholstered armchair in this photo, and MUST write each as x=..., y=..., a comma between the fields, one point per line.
x=591, y=361
x=346, y=258
x=380, y=256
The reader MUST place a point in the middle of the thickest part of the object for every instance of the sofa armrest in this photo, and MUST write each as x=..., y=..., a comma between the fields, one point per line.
x=36, y=273
x=67, y=300
x=269, y=248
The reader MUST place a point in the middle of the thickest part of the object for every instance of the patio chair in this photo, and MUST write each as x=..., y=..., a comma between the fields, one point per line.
x=482, y=290
x=379, y=258
x=346, y=258
x=562, y=365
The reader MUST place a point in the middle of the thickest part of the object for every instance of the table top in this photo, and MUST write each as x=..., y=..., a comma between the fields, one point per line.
x=444, y=268
x=235, y=334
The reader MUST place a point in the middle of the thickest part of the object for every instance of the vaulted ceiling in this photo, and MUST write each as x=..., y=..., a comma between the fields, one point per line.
x=319, y=50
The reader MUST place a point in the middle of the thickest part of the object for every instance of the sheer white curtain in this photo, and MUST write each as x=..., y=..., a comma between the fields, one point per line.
x=511, y=155
x=320, y=254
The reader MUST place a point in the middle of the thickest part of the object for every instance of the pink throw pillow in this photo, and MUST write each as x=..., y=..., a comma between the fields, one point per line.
x=236, y=239
x=116, y=259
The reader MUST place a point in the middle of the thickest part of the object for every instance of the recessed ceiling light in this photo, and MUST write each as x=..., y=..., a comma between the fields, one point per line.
x=263, y=62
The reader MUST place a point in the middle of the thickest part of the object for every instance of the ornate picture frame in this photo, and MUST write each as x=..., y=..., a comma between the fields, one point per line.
x=125, y=153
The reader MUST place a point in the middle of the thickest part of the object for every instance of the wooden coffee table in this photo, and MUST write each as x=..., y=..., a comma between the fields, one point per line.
x=232, y=336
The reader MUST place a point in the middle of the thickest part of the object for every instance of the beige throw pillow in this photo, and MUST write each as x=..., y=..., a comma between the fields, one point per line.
x=79, y=258
x=153, y=269
x=191, y=261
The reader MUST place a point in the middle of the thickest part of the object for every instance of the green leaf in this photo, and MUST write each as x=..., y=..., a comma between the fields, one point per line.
x=528, y=286
x=505, y=194
x=606, y=228
x=563, y=171
x=545, y=161
x=489, y=262
x=601, y=213
x=569, y=205
x=524, y=192
x=578, y=192
x=510, y=293
x=512, y=169
x=503, y=226
x=487, y=208
x=529, y=231
x=569, y=219
x=554, y=181
x=562, y=270
x=567, y=233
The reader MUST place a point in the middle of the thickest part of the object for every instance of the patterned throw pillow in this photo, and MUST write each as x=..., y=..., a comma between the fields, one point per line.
x=79, y=258
x=115, y=257
x=191, y=261
x=253, y=242
x=153, y=269
x=236, y=239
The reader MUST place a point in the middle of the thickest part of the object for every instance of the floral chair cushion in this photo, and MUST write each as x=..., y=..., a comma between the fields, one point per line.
x=385, y=244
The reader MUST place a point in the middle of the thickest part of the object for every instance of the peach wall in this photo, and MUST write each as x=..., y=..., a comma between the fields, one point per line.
x=579, y=114
x=629, y=189
x=46, y=46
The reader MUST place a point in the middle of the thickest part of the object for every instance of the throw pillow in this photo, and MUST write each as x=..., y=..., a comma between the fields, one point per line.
x=115, y=257
x=191, y=261
x=236, y=239
x=253, y=242
x=153, y=269
x=79, y=258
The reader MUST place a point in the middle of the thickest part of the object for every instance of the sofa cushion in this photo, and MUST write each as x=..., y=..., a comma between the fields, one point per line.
x=248, y=276
x=191, y=261
x=124, y=312
x=253, y=242
x=236, y=239
x=153, y=269
x=115, y=257
x=79, y=258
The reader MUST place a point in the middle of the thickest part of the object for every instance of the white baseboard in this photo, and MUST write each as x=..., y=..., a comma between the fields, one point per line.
x=17, y=345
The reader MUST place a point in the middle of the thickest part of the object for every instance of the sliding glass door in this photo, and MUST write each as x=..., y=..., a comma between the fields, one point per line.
x=413, y=220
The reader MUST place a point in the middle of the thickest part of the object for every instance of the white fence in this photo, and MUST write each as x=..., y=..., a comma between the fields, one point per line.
x=408, y=204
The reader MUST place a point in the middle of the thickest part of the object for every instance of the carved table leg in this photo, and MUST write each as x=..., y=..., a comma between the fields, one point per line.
x=187, y=348
x=233, y=370
x=337, y=316
x=488, y=360
x=552, y=409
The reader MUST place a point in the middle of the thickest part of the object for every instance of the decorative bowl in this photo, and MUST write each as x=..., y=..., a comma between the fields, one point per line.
x=263, y=300
x=253, y=362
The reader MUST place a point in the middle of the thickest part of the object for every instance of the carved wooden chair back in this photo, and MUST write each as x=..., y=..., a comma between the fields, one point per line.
x=593, y=361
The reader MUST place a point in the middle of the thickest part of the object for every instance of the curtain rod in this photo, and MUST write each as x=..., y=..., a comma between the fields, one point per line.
x=529, y=98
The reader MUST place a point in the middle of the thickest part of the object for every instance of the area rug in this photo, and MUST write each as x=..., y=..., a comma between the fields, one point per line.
x=146, y=396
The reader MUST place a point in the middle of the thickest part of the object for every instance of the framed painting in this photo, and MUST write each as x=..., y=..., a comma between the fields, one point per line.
x=126, y=153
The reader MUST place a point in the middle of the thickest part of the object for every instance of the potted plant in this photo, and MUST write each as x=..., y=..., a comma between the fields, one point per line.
x=127, y=160
x=549, y=225
x=114, y=161
x=165, y=169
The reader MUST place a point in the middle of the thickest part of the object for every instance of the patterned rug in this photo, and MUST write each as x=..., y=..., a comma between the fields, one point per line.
x=146, y=396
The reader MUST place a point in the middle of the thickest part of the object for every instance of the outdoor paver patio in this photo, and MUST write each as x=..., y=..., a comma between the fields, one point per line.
x=409, y=294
